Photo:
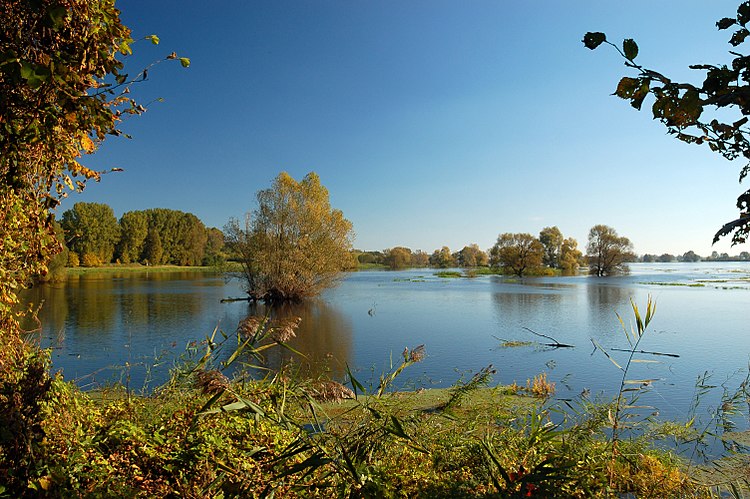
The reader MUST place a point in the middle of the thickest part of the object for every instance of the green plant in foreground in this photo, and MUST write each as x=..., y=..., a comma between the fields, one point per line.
x=629, y=389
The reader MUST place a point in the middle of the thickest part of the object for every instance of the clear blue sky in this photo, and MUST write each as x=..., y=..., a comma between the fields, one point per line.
x=431, y=122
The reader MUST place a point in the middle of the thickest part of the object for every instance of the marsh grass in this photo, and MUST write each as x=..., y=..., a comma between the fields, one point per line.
x=206, y=433
x=134, y=269
x=448, y=274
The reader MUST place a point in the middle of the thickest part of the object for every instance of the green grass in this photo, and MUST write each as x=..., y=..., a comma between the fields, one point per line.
x=683, y=284
x=371, y=266
x=448, y=274
x=203, y=435
x=135, y=269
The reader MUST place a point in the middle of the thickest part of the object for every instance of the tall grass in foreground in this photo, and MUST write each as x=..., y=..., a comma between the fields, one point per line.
x=203, y=434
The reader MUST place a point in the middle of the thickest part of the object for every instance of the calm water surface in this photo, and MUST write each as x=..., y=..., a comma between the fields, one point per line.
x=95, y=325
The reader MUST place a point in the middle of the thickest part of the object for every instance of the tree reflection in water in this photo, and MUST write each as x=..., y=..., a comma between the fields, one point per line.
x=324, y=336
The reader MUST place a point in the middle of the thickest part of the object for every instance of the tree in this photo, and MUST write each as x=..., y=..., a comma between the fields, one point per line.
x=607, y=252
x=570, y=256
x=472, y=256
x=62, y=91
x=91, y=229
x=517, y=253
x=371, y=258
x=666, y=258
x=690, y=256
x=214, y=251
x=420, y=259
x=552, y=240
x=133, y=232
x=714, y=113
x=294, y=244
x=398, y=257
x=153, y=251
x=442, y=258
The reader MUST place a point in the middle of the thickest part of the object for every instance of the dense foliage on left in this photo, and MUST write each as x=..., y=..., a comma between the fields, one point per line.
x=62, y=91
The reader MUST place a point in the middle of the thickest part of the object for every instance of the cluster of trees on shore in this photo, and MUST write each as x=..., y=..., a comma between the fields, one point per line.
x=520, y=254
x=93, y=236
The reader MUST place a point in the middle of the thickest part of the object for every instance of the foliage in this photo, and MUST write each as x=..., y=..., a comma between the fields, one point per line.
x=153, y=250
x=420, y=259
x=133, y=234
x=397, y=258
x=472, y=256
x=690, y=256
x=442, y=258
x=552, y=240
x=570, y=256
x=607, y=252
x=91, y=231
x=73, y=260
x=204, y=435
x=518, y=253
x=370, y=258
x=56, y=271
x=62, y=91
x=294, y=245
x=90, y=260
x=157, y=236
x=629, y=389
x=214, y=253
x=714, y=112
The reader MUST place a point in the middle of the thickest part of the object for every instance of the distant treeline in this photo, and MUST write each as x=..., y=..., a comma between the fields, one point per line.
x=93, y=236
x=520, y=254
x=691, y=256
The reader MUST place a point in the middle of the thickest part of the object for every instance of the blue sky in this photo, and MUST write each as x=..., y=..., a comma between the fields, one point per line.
x=431, y=122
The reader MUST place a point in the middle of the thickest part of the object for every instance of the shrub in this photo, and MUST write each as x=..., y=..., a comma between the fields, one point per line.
x=90, y=260
x=73, y=260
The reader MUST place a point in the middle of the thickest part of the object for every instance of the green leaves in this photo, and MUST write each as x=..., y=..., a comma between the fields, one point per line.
x=34, y=75
x=185, y=62
x=593, y=39
x=630, y=48
x=153, y=39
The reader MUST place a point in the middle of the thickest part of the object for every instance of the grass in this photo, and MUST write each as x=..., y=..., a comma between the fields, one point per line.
x=684, y=284
x=135, y=269
x=448, y=274
x=203, y=435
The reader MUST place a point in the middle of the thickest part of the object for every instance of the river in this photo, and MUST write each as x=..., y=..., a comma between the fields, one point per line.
x=134, y=328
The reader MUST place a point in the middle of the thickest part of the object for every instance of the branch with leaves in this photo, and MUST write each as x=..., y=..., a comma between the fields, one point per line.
x=682, y=107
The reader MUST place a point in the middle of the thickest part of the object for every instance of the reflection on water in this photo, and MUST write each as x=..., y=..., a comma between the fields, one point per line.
x=324, y=336
x=97, y=325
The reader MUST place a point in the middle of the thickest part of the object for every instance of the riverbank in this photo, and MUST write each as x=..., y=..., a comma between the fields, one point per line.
x=202, y=435
x=135, y=269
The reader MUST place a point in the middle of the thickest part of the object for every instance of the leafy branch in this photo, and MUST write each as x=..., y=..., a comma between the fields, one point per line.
x=681, y=106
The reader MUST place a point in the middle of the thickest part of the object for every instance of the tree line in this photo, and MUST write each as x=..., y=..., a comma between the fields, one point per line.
x=692, y=256
x=93, y=236
x=520, y=254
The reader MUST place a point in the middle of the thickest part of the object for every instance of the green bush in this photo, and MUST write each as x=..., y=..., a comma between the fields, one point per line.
x=90, y=260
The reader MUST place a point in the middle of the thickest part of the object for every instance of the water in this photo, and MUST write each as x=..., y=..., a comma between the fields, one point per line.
x=95, y=325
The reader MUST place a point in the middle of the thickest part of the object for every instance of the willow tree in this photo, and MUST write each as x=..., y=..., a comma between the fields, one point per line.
x=607, y=252
x=517, y=253
x=294, y=245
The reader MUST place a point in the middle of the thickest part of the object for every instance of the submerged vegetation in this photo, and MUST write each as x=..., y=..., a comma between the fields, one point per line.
x=204, y=435
x=216, y=431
